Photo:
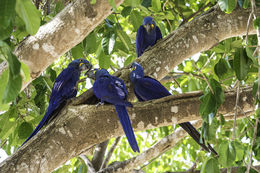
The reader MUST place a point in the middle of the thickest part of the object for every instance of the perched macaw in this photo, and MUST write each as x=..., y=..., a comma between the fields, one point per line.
x=64, y=88
x=147, y=35
x=111, y=89
x=147, y=88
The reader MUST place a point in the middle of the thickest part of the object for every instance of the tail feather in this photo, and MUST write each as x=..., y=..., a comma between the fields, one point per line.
x=127, y=127
x=192, y=131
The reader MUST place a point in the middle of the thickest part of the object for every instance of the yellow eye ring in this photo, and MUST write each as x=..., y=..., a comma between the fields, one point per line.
x=152, y=25
x=134, y=68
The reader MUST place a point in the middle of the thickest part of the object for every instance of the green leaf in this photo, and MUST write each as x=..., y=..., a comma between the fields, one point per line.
x=25, y=129
x=3, y=81
x=208, y=104
x=221, y=68
x=7, y=12
x=227, y=5
x=12, y=89
x=108, y=43
x=59, y=6
x=210, y=166
x=241, y=64
x=132, y=3
x=25, y=72
x=30, y=15
x=156, y=5
x=124, y=38
x=91, y=43
x=6, y=32
x=112, y=3
x=135, y=19
x=129, y=60
x=240, y=150
x=14, y=65
x=77, y=51
x=227, y=153
x=92, y=2
x=104, y=60
x=257, y=22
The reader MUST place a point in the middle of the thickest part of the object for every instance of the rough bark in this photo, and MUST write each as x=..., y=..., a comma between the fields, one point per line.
x=78, y=128
x=56, y=37
x=223, y=170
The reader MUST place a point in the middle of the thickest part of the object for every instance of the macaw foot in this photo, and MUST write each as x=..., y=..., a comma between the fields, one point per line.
x=99, y=104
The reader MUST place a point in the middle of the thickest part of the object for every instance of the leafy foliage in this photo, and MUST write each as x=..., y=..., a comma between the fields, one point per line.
x=112, y=46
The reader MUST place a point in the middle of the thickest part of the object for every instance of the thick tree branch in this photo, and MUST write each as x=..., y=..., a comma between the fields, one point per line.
x=75, y=128
x=153, y=152
x=223, y=170
x=63, y=32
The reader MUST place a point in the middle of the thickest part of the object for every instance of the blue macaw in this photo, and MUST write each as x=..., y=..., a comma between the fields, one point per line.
x=147, y=35
x=111, y=89
x=147, y=88
x=63, y=89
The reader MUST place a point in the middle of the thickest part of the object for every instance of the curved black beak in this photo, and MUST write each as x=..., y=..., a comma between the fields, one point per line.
x=85, y=66
x=91, y=73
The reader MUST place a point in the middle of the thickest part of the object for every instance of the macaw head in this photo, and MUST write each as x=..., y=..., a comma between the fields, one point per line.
x=149, y=24
x=97, y=73
x=137, y=71
x=81, y=64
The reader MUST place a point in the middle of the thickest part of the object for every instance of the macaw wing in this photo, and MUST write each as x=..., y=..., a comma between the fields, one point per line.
x=111, y=90
x=63, y=87
x=158, y=33
x=148, y=88
x=140, y=40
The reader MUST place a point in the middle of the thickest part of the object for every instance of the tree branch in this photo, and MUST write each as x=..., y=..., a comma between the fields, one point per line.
x=75, y=128
x=223, y=170
x=99, y=155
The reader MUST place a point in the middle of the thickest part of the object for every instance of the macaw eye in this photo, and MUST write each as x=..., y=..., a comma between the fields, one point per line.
x=80, y=60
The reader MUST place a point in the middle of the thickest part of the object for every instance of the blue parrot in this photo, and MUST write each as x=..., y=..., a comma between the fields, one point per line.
x=147, y=35
x=111, y=89
x=147, y=88
x=64, y=88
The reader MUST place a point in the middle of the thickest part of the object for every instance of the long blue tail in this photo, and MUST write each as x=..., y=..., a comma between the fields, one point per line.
x=192, y=131
x=127, y=127
x=39, y=126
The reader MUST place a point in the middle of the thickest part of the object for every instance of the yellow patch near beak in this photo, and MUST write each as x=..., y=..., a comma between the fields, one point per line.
x=152, y=25
x=81, y=64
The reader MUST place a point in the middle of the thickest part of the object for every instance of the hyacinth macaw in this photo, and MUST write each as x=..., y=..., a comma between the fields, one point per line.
x=64, y=88
x=111, y=89
x=147, y=88
x=147, y=35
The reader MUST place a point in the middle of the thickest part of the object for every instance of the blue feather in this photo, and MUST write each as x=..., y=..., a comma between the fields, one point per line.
x=147, y=88
x=63, y=89
x=147, y=35
x=112, y=90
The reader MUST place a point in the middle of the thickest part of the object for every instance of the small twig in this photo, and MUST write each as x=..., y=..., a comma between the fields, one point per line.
x=250, y=122
x=247, y=27
x=205, y=78
x=3, y=143
x=235, y=115
x=110, y=152
x=113, y=68
x=88, y=163
x=253, y=143
x=196, y=13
